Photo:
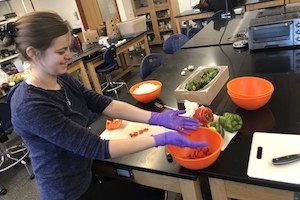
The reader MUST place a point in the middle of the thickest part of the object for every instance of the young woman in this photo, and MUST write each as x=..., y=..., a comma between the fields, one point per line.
x=51, y=110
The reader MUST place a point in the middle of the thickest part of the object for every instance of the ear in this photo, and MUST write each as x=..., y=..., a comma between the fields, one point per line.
x=32, y=53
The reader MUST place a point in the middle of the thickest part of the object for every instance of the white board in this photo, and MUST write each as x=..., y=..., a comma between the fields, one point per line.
x=274, y=145
x=130, y=127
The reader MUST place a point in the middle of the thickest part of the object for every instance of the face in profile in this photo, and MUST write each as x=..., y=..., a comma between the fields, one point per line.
x=54, y=59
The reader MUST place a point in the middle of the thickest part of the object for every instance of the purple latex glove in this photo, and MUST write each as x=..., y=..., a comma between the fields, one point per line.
x=176, y=139
x=172, y=120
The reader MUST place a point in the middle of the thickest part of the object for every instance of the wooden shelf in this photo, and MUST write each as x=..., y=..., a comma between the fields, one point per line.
x=9, y=58
x=162, y=18
x=143, y=10
x=171, y=7
x=162, y=6
x=168, y=30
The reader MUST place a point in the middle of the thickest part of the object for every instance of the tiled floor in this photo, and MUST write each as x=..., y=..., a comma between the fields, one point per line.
x=17, y=182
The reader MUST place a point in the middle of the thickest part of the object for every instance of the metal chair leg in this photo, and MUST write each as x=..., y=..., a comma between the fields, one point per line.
x=31, y=175
x=3, y=191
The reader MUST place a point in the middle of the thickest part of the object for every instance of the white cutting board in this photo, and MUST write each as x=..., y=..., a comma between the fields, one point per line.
x=274, y=145
x=129, y=127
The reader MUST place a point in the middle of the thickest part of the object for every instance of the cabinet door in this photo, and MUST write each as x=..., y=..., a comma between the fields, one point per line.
x=91, y=13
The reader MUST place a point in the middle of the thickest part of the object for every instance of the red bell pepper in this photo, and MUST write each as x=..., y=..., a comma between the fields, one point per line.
x=204, y=115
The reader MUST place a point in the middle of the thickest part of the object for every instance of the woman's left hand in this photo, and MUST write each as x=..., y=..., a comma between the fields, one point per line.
x=172, y=120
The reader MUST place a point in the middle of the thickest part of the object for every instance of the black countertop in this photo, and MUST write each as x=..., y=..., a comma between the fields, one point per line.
x=92, y=48
x=221, y=31
x=154, y=159
x=190, y=12
x=281, y=114
x=248, y=2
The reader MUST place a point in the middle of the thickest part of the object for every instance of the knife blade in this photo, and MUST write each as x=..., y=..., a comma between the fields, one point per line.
x=286, y=159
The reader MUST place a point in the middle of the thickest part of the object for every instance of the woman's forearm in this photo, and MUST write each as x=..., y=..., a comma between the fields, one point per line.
x=122, y=110
x=123, y=147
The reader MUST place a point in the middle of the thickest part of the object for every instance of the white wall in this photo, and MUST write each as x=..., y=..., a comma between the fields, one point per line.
x=67, y=9
x=187, y=4
x=4, y=8
x=125, y=9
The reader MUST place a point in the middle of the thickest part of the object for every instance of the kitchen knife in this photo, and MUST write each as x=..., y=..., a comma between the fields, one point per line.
x=168, y=155
x=286, y=159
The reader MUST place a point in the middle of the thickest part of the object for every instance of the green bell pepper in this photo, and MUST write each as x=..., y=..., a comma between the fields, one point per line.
x=218, y=127
x=231, y=122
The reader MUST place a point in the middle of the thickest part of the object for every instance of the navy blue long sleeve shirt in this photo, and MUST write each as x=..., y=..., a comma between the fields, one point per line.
x=61, y=147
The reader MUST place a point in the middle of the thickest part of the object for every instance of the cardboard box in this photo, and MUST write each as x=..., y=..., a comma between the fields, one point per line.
x=101, y=30
x=207, y=94
x=91, y=36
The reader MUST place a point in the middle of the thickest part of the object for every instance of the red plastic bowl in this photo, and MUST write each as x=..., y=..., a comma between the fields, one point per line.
x=249, y=87
x=250, y=103
x=214, y=140
x=146, y=97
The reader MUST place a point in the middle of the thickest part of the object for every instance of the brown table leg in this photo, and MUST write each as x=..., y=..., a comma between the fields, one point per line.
x=94, y=77
x=84, y=76
x=225, y=190
x=78, y=65
x=190, y=190
x=178, y=25
x=127, y=58
x=147, y=49
x=123, y=61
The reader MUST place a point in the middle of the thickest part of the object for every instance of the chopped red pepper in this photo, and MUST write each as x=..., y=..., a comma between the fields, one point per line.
x=199, y=153
x=139, y=132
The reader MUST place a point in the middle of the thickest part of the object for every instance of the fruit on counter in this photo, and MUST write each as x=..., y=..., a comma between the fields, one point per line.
x=191, y=67
x=199, y=153
x=204, y=115
x=231, y=122
x=113, y=124
x=217, y=127
x=16, y=78
x=207, y=77
x=139, y=132
x=11, y=84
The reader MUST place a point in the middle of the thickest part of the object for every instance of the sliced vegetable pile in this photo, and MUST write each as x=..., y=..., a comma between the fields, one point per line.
x=208, y=76
x=139, y=132
x=227, y=122
x=199, y=153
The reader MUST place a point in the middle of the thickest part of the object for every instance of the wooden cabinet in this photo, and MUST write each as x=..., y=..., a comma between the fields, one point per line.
x=159, y=18
x=90, y=13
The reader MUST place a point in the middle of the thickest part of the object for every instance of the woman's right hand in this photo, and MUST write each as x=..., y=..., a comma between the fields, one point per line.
x=176, y=139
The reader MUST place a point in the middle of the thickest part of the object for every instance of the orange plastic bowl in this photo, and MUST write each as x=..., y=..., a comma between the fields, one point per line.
x=146, y=97
x=250, y=103
x=249, y=87
x=214, y=141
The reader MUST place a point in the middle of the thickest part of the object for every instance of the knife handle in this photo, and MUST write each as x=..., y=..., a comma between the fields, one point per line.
x=286, y=159
x=168, y=155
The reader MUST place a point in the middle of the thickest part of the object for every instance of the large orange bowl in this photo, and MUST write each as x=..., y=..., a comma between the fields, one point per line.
x=146, y=97
x=249, y=87
x=250, y=103
x=214, y=141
